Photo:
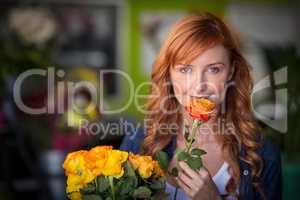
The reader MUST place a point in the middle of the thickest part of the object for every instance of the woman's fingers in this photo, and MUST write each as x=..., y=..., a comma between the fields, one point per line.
x=187, y=180
x=187, y=169
x=195, y=180
x=183, y=186
x=204, y=174
x=196, y=183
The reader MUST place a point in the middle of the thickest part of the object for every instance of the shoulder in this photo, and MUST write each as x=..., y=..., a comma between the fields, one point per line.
x=271, y=157
x=271, y=176
x=268, y=151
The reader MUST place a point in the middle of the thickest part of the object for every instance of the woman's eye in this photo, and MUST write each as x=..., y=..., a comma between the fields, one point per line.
x=214, y=69
x=186, y=69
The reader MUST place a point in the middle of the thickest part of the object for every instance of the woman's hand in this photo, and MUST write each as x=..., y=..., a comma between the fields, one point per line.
x=198, y=185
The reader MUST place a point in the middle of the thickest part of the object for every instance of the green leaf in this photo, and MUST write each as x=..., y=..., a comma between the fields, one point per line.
x=182, y=156
x=198, y=152
x=102, y=184
x=177, y=152
x=142, y=192
x=174, y=172
x=91, y=197
x=129, y=172
x=88, y=189
x=158, y=184
x=161, y=196
x=194, y=163
x=125, y=186
x=163, y=160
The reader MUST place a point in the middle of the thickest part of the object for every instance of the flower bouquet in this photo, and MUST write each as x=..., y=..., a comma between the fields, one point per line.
x=105, y=173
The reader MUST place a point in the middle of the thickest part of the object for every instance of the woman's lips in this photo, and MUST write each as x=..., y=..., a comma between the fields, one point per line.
x=200, y=97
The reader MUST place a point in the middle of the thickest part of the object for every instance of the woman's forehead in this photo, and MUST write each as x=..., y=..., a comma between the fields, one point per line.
x=215, y=54
x=212, y=55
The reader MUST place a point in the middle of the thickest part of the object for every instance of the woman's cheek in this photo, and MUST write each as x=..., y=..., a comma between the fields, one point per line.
x=180, y=93
x=220, y=93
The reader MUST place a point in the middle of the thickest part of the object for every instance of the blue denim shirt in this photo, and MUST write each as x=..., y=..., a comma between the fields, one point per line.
x=270, y=177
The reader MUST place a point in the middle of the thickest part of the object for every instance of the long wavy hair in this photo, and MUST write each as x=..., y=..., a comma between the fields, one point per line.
x=188, y=38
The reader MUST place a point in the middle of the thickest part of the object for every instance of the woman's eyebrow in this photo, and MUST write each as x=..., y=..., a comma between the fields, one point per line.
x=184, y=64
x=190, y=65
x=215, y=63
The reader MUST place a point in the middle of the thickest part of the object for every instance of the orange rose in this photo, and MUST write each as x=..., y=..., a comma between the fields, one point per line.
x=77, y=171
x=143, y=164
x=200, y=109
x=96, y=158
x=100, y=148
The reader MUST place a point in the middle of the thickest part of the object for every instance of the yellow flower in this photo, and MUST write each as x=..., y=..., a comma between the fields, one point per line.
x=113, y=165
x=144, y=164
x=82, y=167
x=100, y=148
x=146, y=168
x=134, y=160
x=77, y=171
x=74, y=162
x=75, y=196
x=97, y=157
x=157, y=169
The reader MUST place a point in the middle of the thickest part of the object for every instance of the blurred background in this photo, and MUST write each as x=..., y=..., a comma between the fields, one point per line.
x=72, y=41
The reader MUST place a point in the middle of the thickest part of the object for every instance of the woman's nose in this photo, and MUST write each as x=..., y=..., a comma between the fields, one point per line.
x=200, y=83
x=201, y=87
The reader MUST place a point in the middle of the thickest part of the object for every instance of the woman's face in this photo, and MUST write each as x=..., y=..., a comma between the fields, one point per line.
x=206, y=76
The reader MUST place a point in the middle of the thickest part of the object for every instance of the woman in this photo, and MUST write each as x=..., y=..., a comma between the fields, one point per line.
x=200, y=59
